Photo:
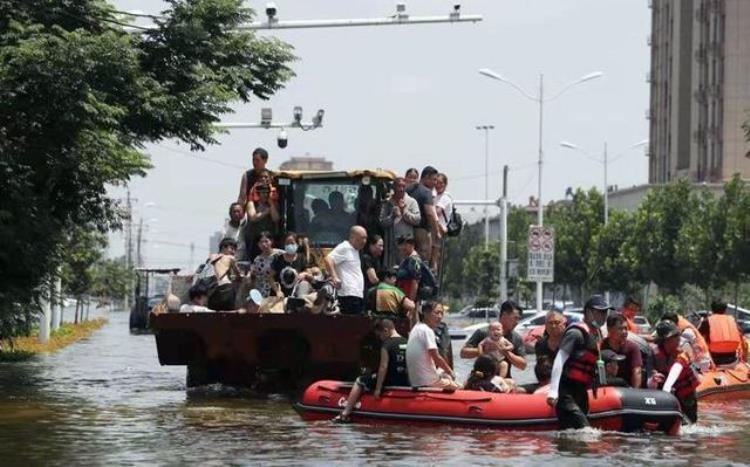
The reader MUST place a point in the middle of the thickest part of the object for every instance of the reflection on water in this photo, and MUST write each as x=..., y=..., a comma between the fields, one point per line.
x=107, y=400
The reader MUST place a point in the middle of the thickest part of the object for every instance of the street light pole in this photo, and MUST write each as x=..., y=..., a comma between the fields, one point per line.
x=486, y=129
x=540, y=99
x=539, y=203
x=606, y=187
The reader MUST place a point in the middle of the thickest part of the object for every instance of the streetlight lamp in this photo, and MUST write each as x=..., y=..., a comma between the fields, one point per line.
x=486, y=129
x=605, y=162
x=540, y=99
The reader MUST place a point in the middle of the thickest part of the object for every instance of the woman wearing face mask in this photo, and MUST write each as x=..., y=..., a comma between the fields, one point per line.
x=292, y=258
x=261, y=270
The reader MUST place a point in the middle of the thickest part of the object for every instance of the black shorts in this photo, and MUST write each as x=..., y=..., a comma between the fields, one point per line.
x=351, y=305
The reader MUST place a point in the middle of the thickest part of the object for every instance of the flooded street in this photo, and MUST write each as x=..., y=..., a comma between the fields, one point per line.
x=107, y=400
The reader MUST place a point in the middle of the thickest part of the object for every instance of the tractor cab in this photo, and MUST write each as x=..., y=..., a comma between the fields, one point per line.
x=151, y=287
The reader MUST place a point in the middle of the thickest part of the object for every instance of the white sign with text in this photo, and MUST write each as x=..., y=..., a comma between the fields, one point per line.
x=541, y=266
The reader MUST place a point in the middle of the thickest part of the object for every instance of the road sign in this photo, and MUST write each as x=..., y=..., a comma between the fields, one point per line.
x=541, y=266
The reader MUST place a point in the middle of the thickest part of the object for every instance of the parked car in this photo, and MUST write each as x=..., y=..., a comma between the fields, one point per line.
x=481, y=312
x=644, y=327
x=532, y=329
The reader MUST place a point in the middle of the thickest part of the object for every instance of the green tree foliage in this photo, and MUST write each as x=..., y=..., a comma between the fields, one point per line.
x=111, y=279
x=576, y=223
x=610, y=265
x=481, y=270
x=80, y=97
x=657, y=225
x=81, y=249
x=733, y=211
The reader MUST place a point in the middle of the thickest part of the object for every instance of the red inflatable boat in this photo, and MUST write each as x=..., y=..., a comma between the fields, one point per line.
x=616, y=409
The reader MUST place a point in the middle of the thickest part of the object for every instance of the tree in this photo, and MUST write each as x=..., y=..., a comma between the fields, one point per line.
x=611, y=267
x=80, y=99
x=657, y=225
x=576, y=224
x=482, y=270
x=82, y=248
x=733, y=210
x=111, y=279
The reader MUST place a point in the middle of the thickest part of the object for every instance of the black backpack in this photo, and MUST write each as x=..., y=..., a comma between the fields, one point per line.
x=455, y=224
x=428, y=283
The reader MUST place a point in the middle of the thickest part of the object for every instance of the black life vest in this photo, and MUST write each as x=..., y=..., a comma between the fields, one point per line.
x=581, y=365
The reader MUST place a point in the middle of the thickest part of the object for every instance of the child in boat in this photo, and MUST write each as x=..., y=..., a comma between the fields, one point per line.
x=496, y=345
x=483, y=377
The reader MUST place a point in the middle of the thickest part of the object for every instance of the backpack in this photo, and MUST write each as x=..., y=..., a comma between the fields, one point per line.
x=428, y=283
x=455, y=224
x=206, y=275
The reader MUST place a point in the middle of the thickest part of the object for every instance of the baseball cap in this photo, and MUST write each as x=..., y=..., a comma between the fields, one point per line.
x=597, y=302
x=610, y=356
x=666, y=329
x=405, y=239
x=255, y=296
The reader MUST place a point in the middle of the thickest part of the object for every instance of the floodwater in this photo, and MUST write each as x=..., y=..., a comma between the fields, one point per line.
x=106, y=401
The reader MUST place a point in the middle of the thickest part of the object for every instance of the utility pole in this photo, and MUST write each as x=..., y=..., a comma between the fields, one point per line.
x=138, y=257
x=486, y=129
x=192, y=256
x=128, y=246
x=504, y=238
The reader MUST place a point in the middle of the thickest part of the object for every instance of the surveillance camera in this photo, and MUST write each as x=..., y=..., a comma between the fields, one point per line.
x=282, y=139
x=271, y=10
x=297, y=114
x=401, y=8
x=457, y=8
x=318, y=118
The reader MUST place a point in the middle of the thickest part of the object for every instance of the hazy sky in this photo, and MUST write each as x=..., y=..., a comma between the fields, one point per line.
x=401, y=96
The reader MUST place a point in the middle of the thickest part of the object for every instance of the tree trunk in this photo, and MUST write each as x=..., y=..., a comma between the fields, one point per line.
x=78, y=304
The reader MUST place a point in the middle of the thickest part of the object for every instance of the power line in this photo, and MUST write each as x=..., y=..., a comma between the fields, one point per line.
x=180, y=152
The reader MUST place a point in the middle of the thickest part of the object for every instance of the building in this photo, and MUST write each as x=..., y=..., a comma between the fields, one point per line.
x=306, y=163
x=700, y=90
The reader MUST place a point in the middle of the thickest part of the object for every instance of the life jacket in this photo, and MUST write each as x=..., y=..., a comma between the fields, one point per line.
x=723, y=337
x=700, y=341
x=686, y=381
x=581, y=365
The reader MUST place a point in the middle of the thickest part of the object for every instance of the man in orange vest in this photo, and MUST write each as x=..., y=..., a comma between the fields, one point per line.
x=725, y=339
x=629, y=310
x=576, y=366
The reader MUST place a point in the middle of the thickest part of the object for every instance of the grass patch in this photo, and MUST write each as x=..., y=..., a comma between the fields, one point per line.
x=24, y=348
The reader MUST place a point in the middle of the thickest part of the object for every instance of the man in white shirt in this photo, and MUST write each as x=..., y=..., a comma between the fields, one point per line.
x=424, y=363
x=345, y=268
x=235, y=229
x=198, y=300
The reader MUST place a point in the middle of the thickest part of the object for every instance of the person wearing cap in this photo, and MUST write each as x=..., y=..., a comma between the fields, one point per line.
x=575, y=367
x=631, y=366
x=410, y=270
x=612, y=363
x=692, y=340
x=672, y=370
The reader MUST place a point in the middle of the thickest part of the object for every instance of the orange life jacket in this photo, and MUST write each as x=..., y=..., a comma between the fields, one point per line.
x=581, y=366
x=683, y=324
x=723, y=337
x=686, y=381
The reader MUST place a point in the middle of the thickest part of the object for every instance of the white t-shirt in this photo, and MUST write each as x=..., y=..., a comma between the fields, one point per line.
x=349, y=269
x=422, y=370
x=444, y=202
x=190, y=308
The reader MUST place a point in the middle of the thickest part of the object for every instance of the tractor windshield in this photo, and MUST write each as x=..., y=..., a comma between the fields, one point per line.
x=326, y=209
